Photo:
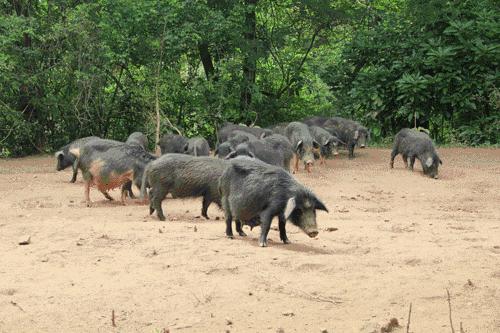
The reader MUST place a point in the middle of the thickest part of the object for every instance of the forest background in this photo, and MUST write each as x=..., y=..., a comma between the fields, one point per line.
x=73, y=68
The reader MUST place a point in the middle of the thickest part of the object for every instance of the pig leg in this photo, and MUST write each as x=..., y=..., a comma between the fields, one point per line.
x=239, y=230
x=156, y=199
x=412, y=162
x=75, y=171
x=296, y=163
x=266, y=219
x=128, y=187
x=351, y=151
x=229, y=227
x=87, y=193
x=106, y=195
x=405, y=160
x=394, y=153
x=159, y=210
x=151, y=208
x=123, y=196
x=204, y=207
x=282, y=228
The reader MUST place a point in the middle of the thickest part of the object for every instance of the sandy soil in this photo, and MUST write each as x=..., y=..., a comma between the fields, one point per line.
x=402, y=238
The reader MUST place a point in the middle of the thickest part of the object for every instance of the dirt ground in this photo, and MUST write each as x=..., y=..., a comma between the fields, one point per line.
x=391, y=238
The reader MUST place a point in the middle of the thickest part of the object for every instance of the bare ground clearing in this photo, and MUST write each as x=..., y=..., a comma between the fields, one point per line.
x=401, y=238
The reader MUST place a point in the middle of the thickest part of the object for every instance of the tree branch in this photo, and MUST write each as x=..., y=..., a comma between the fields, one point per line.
x=302, y=62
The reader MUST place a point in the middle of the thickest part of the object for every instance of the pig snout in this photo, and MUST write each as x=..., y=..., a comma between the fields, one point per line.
x=362, y=145
x=436, y=177
x=312, y=233
x=309, y=165
x=308, y=223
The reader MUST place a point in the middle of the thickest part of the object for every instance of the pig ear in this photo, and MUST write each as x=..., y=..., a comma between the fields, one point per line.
x=263, y=135
x=327, y=142
x=186, y=146
x=428, y=162
x=356, y=134
x=251, y=154
x=230, y=155
x=319, y=205
x=290, y=207
x=316, y=144
x=59, y=154
x=299, y=145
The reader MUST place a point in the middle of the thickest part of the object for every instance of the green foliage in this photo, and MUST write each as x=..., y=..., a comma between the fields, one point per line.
x=71, y=69
x=433, y=64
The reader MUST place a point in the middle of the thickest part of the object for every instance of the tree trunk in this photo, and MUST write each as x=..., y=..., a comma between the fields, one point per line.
x=206, y=60
x=158, y=120
x=250, y=58
x=26, y=90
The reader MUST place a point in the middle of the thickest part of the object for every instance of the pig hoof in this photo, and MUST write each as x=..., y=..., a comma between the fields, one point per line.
x=263, y=244
x=89, y=204
x=205, y=216
x=151, y=210
x=230, y=236
x=161, y=218
x=286, y=241
x=242, y=233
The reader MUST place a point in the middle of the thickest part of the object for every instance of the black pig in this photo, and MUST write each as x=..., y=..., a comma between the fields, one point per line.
x=414, y=144
x=183, y=176
x=255, y=191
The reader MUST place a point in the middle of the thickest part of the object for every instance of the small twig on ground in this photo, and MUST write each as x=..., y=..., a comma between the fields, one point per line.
x=17, y=306
x=181, y=327
x=197, y=299
x=408, y=323
x=113, y=318
x=449, y=307
x=320, y=299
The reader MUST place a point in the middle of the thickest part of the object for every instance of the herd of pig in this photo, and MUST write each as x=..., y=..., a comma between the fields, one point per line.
x=250, y=176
